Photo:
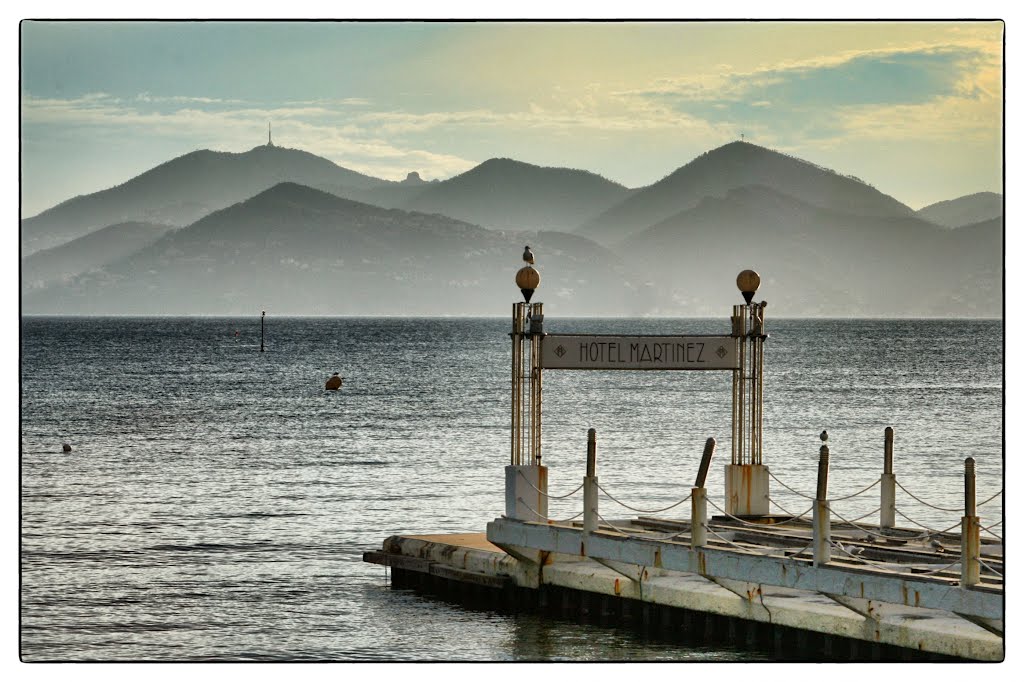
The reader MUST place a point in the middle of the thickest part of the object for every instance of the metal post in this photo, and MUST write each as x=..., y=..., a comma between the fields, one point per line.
x=970, y=531
x=760, y=383
x=533, y=392
x=516, y=378
x=822, y=519
x=590, y=485
x=753, y=378
x=887, y=514
x=705, y=462
x=522, y=375
x=262, y=318
x=699, y=498
x=536, y=380
x=738, y=331
x=743, y=391
x=532, y=453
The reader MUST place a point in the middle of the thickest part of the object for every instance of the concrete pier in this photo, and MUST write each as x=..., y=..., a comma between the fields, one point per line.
x=818, y=588
x=904, y=611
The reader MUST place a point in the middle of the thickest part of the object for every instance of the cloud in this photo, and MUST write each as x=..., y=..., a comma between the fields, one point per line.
x=853, y=77
x=306, y=126
x=926, y=92
x=181, y=99
x=588, y=113
x=574, y=116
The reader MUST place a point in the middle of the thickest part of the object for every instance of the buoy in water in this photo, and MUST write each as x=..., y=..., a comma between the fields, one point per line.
x=67, y=447
x=334, y=383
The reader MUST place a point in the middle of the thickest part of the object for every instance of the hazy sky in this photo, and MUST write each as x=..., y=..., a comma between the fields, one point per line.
x=915, y=109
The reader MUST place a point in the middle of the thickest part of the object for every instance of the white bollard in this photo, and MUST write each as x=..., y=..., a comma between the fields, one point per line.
x=698, y=517
x=887, y=513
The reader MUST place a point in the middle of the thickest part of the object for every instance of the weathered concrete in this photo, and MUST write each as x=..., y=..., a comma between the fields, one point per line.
x=470, y=559
x=842, y=580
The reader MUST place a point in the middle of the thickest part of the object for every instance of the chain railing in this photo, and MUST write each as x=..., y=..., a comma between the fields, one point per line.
x=817, y=519
x=927, y=504
x=642, y=511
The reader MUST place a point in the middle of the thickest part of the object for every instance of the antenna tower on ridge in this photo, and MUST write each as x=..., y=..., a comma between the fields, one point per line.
x=270, y=139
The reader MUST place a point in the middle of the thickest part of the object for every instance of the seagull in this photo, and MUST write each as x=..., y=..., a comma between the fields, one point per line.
x=851, y=550
x=824, y=435
x=528, y=255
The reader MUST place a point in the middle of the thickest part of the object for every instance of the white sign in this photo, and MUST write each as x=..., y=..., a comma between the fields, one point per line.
x=638, y=352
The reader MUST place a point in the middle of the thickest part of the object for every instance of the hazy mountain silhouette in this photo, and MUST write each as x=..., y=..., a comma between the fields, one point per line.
x=967, y=210
x=975, y=280
x=508, y=194
x=90, y=252
x=395, y=195
x=297, y=250
x=187, y=188
x=737, y=164
x=824, y=243
x=817, y=261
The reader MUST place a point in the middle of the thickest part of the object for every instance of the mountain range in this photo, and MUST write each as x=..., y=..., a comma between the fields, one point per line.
x=187, y=188
x=294, y=248
x=739, y=164
x=282, y=229
x=93, y=251
x=967, y=210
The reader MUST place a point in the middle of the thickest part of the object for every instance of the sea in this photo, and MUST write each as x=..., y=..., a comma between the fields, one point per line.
x=217, y=501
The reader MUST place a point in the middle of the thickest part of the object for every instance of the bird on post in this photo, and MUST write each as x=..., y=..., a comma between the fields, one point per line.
x=527, y=279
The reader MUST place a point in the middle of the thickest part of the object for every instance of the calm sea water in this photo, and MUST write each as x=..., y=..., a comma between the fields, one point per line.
x=217, y=501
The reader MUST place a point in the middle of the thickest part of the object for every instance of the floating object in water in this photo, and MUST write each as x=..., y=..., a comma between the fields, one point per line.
x=334, y=383
x=67, y=447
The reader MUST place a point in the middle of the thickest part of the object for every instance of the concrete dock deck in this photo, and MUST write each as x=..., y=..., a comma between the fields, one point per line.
x=931, y=618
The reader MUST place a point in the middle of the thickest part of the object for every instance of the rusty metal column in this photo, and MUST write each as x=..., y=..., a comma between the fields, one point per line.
x=887, y=513
x=517, y=379
x=746, y=478
x=970, y=531
x=738, y=332
x=752, y=363
x=526, y=497
x=529, y=398
x=744, y=454
x=822, y=522
x=761, y=336
x=536, y=380
x=534, y=376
